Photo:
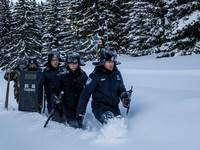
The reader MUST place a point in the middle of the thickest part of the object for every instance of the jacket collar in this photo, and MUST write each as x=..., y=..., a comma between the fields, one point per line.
x=106, y=71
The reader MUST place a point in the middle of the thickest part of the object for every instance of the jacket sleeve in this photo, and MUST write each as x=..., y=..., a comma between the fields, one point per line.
x=121, y=86
x=85, y=95
x=40, y=87
x=11, y=76
x=56, y=88
x=86, y=77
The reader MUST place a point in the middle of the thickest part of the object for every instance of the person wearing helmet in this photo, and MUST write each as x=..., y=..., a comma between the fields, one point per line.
x=105, y=84
x=15, y=76
x=71, y=81
x=32, y=64
x=46, y=81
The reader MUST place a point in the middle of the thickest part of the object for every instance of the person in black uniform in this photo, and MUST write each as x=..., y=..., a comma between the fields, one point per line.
x=46, y=81
x=71, y=81
x=32, y=64
x=106, y=85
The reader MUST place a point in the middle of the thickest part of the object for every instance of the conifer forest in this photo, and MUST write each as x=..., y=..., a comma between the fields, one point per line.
x=129, y=27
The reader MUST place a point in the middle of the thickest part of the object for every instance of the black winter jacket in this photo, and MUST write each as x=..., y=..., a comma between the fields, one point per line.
x=72, y=85
x=106, y=87
x=47, y=78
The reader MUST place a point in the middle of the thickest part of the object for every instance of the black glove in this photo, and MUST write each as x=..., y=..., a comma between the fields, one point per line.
x=125, y=100
x=57, y=103
x=39, y=108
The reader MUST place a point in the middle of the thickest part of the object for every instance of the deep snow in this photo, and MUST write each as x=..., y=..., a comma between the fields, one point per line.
x=164, y=113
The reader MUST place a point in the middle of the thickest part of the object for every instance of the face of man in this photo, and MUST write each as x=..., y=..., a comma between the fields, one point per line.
x=54, y=63
x=32, y=65
x=109, y=65
x=21, y=66
x=73, y=66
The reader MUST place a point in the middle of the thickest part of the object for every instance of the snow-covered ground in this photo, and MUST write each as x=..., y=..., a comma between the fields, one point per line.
x=164, y=113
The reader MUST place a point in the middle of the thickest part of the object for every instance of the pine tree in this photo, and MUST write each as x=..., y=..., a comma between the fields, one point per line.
x=148, y=27
x=25, y=33
x=123, y=8
x=185, y=33
x=109, y=21
x=35, y=28
x=83, y=24
x=52, y=23
x=40, y=18
x=5, y=30
x=159, y=24
x=140, y=25
x=68, y=40
x=105, y=19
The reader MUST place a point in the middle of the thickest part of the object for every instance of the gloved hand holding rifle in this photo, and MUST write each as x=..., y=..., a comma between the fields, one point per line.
x=56, y=105
x=126, y=99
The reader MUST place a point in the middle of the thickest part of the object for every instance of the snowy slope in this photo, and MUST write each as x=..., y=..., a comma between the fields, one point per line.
x=164, y=114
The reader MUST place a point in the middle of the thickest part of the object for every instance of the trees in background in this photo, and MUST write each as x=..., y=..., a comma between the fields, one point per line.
x=137, y=28
x=5, y=31
x=25, y=34
x=182, y=38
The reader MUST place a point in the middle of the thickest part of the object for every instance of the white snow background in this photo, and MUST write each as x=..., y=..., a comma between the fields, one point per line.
x=164, y=113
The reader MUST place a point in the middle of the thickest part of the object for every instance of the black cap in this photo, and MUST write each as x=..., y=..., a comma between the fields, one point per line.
x=73, y=57
x=53, y=55
x=107, y=55
x=32, y=60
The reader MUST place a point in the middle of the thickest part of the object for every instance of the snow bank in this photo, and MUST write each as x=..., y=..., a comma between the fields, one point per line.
x=164, y=112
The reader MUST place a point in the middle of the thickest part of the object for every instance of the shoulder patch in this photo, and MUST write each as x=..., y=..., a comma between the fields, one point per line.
x=89, y=80
x=118, y=78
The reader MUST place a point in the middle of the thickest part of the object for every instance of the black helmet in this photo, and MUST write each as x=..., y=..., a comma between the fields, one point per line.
x=107, y=55
x=53, y=55
x=32, y=60
x=21, y=62
x=73, y=57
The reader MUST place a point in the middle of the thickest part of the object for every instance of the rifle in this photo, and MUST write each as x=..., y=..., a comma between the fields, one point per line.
x=7, y=91
x=127, y=100
x=54, y=110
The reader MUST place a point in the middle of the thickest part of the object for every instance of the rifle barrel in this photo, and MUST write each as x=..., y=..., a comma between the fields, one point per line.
x=51, y=114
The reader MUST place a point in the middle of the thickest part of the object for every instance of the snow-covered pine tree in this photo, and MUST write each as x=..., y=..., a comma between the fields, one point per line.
x=184, y=37
x=5, y=31
x=25, y=33
x=52, y=23
x=68, y=40
x=140, y=27
x=108, y=13
x=123, y=8
x=158, y=11
x=40, y=22
x=148, y=25
x=82, y=16
x=99, y=18
x=36, y=28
